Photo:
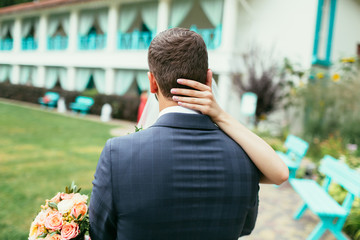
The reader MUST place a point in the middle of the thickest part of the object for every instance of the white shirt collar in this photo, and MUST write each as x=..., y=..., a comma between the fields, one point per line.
x=177, y=109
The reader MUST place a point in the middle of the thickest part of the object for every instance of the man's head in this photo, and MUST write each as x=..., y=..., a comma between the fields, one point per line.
x=177, y=53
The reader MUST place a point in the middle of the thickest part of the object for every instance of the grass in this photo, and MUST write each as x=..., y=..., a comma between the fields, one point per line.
x=41, y=153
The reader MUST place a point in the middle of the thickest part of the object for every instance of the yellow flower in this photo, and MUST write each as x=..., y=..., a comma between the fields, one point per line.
x=336, y=77
x=348, y=60
x=320, y=75
x=301, y=84
x=262, y=117
x=292, y=92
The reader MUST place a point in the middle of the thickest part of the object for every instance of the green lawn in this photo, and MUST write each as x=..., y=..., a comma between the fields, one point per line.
x=41, y=153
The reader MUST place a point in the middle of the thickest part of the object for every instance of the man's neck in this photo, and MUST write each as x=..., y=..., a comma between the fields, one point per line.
x=164, y=103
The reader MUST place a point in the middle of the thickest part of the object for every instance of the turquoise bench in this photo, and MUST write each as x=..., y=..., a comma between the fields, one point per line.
x=296, y=150
x=317, y=199
x=82, y=104
x=50, y=99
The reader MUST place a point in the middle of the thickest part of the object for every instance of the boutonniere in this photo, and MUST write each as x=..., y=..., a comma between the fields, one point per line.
x=138, y=129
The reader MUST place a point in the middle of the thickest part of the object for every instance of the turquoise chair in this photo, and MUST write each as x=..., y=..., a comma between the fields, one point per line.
x=50, y=99
x=316, y=198
x=82, y=104
x=296, y=151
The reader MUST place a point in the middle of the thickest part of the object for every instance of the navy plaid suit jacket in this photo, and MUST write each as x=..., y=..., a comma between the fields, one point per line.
x=182, y=178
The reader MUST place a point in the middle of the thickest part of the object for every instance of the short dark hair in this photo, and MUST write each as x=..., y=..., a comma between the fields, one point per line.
x=177, y=53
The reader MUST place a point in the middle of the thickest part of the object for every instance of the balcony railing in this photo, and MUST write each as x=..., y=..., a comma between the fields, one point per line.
x=92, y=42
x=135, y=40
x=211, y=36
x=57, y=43
x=6, y=44
x=29, y=44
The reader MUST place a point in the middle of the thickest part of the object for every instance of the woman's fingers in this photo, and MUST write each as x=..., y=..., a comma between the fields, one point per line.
x=190, y=93
x=201, y=108
x=199, y=101
x=194, y=84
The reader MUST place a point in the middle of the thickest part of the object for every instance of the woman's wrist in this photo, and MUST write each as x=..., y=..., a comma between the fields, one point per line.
x=221, y=118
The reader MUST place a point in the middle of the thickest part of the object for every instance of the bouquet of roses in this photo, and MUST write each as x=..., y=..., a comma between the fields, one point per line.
x=63, y=217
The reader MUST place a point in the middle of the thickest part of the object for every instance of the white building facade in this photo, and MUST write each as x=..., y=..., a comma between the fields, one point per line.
x=69, y=42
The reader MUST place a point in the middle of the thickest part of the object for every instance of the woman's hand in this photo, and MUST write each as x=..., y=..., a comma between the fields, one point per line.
x=201, y=99
x=273, y=169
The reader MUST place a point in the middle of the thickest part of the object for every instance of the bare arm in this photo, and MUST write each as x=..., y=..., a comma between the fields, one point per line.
x=273, y=169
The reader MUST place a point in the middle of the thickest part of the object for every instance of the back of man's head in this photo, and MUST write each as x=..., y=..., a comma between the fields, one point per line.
x=177, y=53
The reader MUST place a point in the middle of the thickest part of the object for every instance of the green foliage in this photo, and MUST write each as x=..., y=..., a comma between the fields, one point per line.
x=138, y=129
x=332, y=146
x=72, y=188
x=92, y=92
x=39, y=152
x=264, y=78
x=352, y=224
x=5, y=3
x=123, y=107
x=332, y=105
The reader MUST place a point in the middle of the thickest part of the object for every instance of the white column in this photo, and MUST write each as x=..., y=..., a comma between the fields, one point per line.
x=109, y=80
x=73, y=31
x=15, y=74
x=228, y=35
x=225, y=83
x=17, y=35
x=113, y=16
x=43, y=22
x=228, y=38
x=71, y=78
x=41, y=76
x=163, y=15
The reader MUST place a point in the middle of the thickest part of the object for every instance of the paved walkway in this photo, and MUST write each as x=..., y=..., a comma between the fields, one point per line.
x=277, y=206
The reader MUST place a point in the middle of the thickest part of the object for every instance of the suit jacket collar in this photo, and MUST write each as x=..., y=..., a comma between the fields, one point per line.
x=186, y=121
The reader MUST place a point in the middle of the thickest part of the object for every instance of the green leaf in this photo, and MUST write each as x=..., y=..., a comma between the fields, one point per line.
x=53, y=205
x=78, y=218
x=138, y=129
x=42, y=235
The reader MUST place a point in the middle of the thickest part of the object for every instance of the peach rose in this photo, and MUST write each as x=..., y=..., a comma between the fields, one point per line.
x=78, y=209
x=33, y=231
x=53, y=237
x=54, y=221
x=80, y=198
x=70, y=230
x=41, y=217
x=65, y=196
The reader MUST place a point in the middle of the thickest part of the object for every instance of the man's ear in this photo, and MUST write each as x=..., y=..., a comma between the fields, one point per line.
x=153, y=84
x=209, y=78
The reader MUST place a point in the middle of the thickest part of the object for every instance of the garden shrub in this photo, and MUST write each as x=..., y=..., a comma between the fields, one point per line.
x=124, y=107
x=264, y=77
x=352, y=224
x=332, y=106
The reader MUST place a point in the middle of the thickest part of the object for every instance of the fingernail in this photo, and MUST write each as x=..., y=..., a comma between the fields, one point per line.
x=175, y=98
x=173, y=90
x=180, y=103
x=180, y=81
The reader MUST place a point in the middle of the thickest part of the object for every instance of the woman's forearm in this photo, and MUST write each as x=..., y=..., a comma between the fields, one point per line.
x=273, y=169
